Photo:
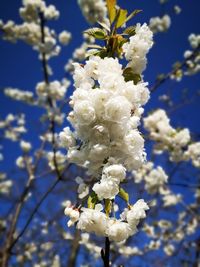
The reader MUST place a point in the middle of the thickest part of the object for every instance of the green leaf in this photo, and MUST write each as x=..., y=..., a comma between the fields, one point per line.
x=122, y=17
x=97, y=33
x=103, y=53
x=92, y=200
x=111, y=9
x=94, y=46
x=136, y=78
x=104, y=25
x=120, y=41
x=108, y=206
x=91, y=52
x=129, y=75
x=130, y=31
x=133, y=14
x=123, y=194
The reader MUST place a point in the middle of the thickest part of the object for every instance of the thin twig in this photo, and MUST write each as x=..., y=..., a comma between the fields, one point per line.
x=33, y=213
x=168, y=75
x=10, y=235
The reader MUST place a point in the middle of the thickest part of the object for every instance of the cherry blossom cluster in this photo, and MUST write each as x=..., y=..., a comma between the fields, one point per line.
x=20, y=95
x=193, y=153
x=138, y=47
x=60, y=159
x=160, y=24
x=33, y=13
x=160, y=233
x=176, y=141
x=5, y=184
x=64, y=37
x=54, y=89
x=94, y=11
x=177, y=9
x=167, y=138
x=106, y=112
x=154, y=177
x=105, y=116
x=117, y=230
x=193, y=65
x=13, y=126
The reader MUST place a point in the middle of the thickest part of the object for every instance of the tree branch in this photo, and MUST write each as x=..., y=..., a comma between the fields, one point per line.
x=168, y=75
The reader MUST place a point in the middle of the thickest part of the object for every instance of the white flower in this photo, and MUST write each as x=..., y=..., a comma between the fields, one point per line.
x=73, y=214
x=93, y=220
x=20, y=95
x=116, y=172
x=194, y=40
x=193, y=153
x=168, y=138
x=154, y=245
x=51, y=12
x=157, y=24
x=83, y=189
x=134, y=141
x=64, y=37
x=171, y=200
x=60, y=159
x=182, y=137
x=169, y=249
x=84, y=112
x=54, y=89
x=106, y=189
x=118, y=231
x=25, y=146
x=137, y=48
x=136, y=212
x=136, y=94
x=118, y=109
x=98, y=152
x=5, y=186
x=20, y=162
x=66, y=137
x=156, y=178
x=177, y=9
x=93, y=11
x=129, y=251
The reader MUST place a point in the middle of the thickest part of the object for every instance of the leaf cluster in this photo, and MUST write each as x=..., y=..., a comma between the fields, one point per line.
x=113, y=40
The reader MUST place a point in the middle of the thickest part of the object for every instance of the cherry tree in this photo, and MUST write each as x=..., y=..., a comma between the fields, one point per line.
x=106, y=183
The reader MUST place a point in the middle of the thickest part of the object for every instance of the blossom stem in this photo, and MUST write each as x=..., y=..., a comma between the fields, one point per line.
x=107, y=253
x=74, y=249
x=50, y=102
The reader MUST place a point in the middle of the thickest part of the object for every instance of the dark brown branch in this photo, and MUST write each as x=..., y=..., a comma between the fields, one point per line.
x=74, y=249
x=105, y=254
x=10, y=236
x=33, y=213
x=185, y=185
x=49, y=100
